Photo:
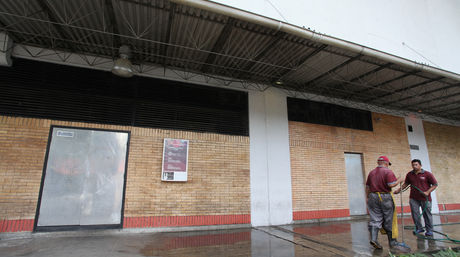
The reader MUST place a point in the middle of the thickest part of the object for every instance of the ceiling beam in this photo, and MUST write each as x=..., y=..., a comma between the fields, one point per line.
x=432, y=100
x=303, y=61
x=165, y=46
x=311, y=82
x=273, y=41
x=424, y=93
x=448, y=111
x=373, y=87
x=370, y=72
x=10, y=34
x=116, y=40
x=407, y=88
x=219, y=45
x=456, y=116
x=44, y=5
x=374, y=71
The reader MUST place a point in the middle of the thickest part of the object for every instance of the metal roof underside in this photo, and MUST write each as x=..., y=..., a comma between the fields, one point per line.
x=186, y=38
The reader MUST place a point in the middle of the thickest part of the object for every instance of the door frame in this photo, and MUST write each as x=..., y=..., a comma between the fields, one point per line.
x=363, y=172
x=80, y=227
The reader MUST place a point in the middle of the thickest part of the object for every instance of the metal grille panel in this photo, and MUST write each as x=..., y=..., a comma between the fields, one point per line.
x=37, y=89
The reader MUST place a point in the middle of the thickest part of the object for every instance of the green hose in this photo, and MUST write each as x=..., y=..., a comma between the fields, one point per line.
x=447, y=238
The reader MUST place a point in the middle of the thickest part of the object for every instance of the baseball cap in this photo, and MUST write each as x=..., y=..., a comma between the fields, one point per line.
x=384, y=158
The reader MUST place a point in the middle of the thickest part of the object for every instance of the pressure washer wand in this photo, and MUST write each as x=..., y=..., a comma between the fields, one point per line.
x=402, y=212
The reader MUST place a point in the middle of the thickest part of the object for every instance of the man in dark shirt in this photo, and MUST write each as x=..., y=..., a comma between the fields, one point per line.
x=380, y=201
x=426, y=182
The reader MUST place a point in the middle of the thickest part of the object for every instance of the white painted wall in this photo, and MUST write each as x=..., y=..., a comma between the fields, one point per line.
x=258, y=163
x=417, y=137
x=429, y=29
x=271, y=191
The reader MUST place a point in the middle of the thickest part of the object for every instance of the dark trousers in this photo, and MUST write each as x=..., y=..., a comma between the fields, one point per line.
x=427, y=217
x=380, y=211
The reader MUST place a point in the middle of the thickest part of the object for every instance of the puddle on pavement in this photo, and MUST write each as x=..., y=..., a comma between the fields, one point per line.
x=348, y=238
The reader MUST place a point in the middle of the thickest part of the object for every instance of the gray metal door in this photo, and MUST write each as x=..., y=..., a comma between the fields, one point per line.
x=355, y=181
x=84, y=178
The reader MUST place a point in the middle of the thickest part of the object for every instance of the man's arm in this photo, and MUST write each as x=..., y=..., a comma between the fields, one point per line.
x=434, y=184
x=397, y=191
x=431, y=189
x=398, y=181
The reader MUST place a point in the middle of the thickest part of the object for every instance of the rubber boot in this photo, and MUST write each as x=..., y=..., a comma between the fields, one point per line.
x=395, y=244
x=391, y=241
x=374, y=234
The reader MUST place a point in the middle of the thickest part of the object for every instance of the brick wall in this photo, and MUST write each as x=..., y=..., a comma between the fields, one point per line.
x=443, y=144
x=319, y=181
x=218, y=176
x=22, y=152
x=217, y=190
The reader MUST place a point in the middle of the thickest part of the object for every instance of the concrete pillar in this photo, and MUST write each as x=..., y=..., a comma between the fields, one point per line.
x=417, y=140
x=271, y=192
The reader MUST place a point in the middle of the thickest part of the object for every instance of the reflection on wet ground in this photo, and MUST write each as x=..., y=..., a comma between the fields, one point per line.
x=346, y=238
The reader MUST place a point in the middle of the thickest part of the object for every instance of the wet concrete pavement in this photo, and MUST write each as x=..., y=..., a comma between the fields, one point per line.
x=345, y=238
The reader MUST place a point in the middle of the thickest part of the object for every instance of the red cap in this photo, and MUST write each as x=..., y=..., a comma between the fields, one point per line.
x=384, y=158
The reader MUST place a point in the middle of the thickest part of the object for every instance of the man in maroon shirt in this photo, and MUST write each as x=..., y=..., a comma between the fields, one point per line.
x=380, y=201
x=426, y=182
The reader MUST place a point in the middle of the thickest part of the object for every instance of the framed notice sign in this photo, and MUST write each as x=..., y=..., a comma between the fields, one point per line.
x=175, y=160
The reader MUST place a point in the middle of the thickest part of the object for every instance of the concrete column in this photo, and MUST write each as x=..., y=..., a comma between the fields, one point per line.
x=271, y=192
x=417, y=139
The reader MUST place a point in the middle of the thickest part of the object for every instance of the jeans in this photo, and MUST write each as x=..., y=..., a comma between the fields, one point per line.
x=427, y=217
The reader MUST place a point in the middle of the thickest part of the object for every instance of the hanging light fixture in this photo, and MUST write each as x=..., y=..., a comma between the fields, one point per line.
x=122, y=66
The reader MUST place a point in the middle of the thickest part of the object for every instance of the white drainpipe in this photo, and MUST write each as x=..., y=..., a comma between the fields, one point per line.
x=313, y=36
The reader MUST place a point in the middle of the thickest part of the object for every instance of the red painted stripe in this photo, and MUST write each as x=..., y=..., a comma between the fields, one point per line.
x=2, y=225
x=406, y=209
x=174, y=221
x=16, y=225
x=321, y=214
x=407, y=220
x=451, y=218
x=138, y=222
x=442, y=207
x=452, y=206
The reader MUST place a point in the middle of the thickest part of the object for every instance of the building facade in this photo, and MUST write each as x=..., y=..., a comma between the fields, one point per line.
x=282, y=171
x=282, y=124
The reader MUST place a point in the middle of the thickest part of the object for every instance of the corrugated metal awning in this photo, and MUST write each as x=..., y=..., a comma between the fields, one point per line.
x=180, y=36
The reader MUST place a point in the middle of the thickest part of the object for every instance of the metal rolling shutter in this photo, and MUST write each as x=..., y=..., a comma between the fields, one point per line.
x=328, y=114
x=44, y=90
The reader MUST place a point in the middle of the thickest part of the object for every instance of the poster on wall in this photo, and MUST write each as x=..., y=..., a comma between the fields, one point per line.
x=175, y=160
